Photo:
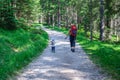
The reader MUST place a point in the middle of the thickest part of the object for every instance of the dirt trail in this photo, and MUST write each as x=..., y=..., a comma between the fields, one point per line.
x=61, y=65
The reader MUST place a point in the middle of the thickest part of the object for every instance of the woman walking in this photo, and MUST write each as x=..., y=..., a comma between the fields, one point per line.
x=72, y=33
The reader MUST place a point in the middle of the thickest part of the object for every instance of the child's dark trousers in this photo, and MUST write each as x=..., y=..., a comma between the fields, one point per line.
x=53, y=49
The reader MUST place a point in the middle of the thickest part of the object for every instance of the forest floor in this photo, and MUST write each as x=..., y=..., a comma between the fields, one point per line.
x=63, y=64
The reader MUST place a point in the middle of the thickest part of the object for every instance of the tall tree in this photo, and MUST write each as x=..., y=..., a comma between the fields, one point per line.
x=58, y=14
x=101, y=37
x=91, y=26
x=108, y=14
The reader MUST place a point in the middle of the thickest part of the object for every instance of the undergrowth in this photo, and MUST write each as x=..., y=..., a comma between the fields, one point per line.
x=18, y=48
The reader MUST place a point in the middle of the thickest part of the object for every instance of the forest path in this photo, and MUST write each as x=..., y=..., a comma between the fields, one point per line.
x=61, y=65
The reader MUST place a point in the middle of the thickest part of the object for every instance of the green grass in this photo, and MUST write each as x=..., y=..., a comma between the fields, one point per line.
x=104, y=54
x=18, y=48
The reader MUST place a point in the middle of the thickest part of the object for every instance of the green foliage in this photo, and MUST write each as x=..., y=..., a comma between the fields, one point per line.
x=7, y=18
x=10, y=21
x=17, y=14
x=103, y=54
x=22, y=23
x=11, y=11
x=28, y=9
x=18, y=48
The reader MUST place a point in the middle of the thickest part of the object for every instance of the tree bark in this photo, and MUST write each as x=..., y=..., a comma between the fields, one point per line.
x=101, y=36
x=53, y=21
x=91, y=23
x=59, y=14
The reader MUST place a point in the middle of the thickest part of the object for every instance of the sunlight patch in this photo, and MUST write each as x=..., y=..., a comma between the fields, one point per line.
x=49, y=58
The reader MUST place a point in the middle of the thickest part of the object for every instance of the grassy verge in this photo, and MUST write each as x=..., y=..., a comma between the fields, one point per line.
x=18, y=48
x=104, y=54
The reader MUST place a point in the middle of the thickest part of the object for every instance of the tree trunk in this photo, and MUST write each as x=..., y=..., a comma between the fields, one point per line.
x=59, y=13
x=91, y=23
x=53, y=21
x=101, y=37
x=67, y=17
x=108, y=26
x=112, y=28
x=49, y=19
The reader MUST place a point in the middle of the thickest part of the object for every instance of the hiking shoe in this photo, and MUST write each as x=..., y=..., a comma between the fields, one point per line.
x=73, y=50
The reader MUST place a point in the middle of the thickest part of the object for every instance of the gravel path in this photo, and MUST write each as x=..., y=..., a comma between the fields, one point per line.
x=62, y=65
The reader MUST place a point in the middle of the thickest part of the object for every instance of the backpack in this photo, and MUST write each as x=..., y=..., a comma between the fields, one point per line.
x=73, y=30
